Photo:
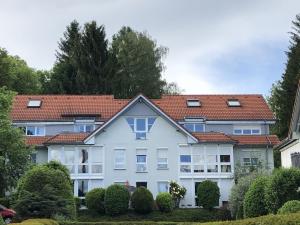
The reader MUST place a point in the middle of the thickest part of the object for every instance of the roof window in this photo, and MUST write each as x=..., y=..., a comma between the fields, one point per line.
x=233, y=103
x=193, y=103
x=34, y=104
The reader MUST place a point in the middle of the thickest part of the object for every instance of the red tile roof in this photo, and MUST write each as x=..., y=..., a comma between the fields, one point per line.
x=213, y=137
x=256, y=139
x=67, y=138
x=213, y=107
x=34, y=140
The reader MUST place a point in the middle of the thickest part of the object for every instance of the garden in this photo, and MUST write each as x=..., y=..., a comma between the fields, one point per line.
x=44, y=197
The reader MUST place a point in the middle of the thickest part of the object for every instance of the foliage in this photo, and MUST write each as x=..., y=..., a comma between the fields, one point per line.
x=164, y=202
x=142, y=200
x=283, y=92
x=254, y=202
x=237, y=195
x=14, y=154
x=5, y=201
x=136, y=64
x=288, y=219
x=77, y=204
x=44, y=192
x=172, y=89
x=116, y=199
x=2, y=221
x=292, y=206
x=58, y=166
x=177, y=192
x=242, y=170
x=208, y=194
x=37, y=222
x=17, y=76
x=283, y=187
x=177, y=215
x=95, y=200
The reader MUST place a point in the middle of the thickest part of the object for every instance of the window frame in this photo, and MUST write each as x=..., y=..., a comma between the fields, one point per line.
x=194, y=124
x=166, y=163
x=35, y=130
x=124, y=159
x=141, y=163
x=185, y=164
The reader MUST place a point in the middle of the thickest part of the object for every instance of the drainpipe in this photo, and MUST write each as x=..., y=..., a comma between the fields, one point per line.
x=267, y=158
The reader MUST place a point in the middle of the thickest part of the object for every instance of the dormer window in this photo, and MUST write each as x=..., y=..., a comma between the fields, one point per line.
x=193, y=103
x=233, y=103
x=34, y=103
x=140, y=126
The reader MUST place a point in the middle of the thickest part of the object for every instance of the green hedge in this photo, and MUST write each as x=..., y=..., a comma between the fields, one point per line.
x=286, y=219
x=177, y=215
x=37, y=222
x=119, y=223
x=290, y=207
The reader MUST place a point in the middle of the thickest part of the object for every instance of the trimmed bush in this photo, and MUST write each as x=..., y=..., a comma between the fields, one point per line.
x=254, y=202
x=290, y=207
x=116, y=199
x=95, y=200
x=208, y=194
x=45, y=192
x=282, y=187
x=164, y=202
x=142, y=200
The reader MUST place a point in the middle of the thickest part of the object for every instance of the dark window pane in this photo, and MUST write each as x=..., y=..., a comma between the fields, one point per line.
x=295, y=159
x=185, y=158
x=141, y=184
x=225, y=158
x=189, y=127
x=141, y=124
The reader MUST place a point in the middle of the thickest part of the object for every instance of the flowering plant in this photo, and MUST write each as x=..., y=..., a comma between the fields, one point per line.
x=178, y=192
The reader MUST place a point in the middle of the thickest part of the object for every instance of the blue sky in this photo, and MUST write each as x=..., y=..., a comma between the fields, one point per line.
x=230, y=46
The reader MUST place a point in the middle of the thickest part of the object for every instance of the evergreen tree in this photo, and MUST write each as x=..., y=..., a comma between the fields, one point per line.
x=136, y=62
x=283, y=92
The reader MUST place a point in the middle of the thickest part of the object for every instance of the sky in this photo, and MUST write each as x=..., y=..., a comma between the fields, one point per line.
x=215, y=47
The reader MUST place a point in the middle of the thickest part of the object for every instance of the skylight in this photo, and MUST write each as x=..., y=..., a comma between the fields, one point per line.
x=34, y=103
x=233, y=103
x=193, y=103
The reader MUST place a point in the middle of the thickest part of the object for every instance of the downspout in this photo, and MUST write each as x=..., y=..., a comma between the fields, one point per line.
x=267, y=149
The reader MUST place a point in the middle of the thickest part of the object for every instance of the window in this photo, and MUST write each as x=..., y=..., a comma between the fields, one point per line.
x=70, y=160
x=120, y=159
x=96, y=160
x=198, y=163
x=55, y=155
x=225, y=163
x=33, y=157
x=194, y=127
x=141, y=160
x=247, y=131
x=295, y=157
x=250, y=161
x=83, y=166
x=35, y=131
x=193, y=103
x=34, y=104
x=163, y=186
x=196, y=191
x=162, y=159
x=212, y=161
x=84, y=128
x=185, y=163
x=82, y=187
x=140, y=126
x=141, y=184
x=233, y=103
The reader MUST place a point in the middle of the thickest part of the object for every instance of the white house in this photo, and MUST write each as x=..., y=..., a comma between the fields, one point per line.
x=148, y=142
x=290, y=147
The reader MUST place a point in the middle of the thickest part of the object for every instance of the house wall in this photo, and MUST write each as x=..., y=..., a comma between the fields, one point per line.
x=286, y=154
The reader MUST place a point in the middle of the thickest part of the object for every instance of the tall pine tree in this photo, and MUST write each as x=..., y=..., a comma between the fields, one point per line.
x=283, y=92
x=136, y=63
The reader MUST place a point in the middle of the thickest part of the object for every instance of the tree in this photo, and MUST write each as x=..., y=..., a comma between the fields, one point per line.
x=17, y=76
x=14, y=154
x=136, y=64
x=283, y=92
x=172, y=89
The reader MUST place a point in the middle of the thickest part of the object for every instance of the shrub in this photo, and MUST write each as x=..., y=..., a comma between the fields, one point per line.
x=95, y=200
x=290, y=207
x=164, y=202
x=237, y=195
x=282, y=187
x=177, y=192
x=142, y=200
x=44, y=192
x=254, y=202
x=116, y=199
x=5, y=201
x=37, y=222
x=1, y=221
x=208, y=194
x=77, y=201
